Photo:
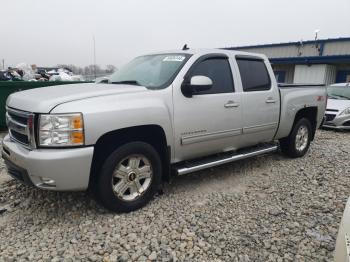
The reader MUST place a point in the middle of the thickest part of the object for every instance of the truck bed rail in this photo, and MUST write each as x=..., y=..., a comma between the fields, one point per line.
x=281, y=85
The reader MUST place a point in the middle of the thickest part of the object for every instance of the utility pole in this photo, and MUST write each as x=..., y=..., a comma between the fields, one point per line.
x=3, y=64
x=316, y=34
x=93, y=38
x=317, y=46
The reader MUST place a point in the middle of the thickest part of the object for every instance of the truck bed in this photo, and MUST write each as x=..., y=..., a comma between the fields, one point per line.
x=294, y=97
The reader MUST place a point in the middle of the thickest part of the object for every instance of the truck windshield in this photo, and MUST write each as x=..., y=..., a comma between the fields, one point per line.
x=150, y=71
x=339, y=93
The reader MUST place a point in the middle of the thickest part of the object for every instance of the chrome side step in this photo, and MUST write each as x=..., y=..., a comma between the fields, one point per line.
x=200, y=165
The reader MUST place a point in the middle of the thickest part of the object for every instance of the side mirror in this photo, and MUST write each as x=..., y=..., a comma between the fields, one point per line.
x=104, y=81
x=196, y=84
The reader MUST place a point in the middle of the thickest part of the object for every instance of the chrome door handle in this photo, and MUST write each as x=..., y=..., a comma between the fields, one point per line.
x=230, y=104
x=270, y=100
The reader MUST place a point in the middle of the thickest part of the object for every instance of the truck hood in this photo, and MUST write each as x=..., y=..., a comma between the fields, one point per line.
x=338, y=104
x=43, y=100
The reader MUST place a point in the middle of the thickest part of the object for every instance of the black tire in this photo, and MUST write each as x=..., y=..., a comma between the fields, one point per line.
x=104, y=187
x=289, y=144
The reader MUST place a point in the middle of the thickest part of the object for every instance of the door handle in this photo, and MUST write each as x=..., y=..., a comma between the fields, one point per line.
x=270, y=100
x=230, y=104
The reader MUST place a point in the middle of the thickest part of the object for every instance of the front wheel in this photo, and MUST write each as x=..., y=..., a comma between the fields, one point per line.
x=129, y=177
x=298, y=142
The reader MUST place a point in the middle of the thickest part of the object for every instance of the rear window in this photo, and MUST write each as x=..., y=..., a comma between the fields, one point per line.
x=254, y=74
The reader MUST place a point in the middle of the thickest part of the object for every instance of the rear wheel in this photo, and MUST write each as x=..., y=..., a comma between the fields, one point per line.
x=129, y=177
x=298, y=142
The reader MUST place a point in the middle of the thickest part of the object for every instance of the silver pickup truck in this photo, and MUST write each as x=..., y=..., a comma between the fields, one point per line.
x=163, y=114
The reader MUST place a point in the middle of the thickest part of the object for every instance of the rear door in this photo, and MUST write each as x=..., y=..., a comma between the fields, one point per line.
x=260, y=100
x=209, y=121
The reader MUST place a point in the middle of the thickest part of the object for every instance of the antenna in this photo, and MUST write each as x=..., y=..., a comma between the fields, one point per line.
x=185, y=47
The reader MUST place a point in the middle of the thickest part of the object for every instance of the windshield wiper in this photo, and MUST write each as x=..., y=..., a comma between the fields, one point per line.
x=127, y=82
x=332, y=97
x=347, y=98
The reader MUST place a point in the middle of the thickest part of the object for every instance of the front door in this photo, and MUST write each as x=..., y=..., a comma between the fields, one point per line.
x=209, y=121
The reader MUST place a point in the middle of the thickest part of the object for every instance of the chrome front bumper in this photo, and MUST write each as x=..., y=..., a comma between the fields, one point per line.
x=339, y=122
x=53, y=169
x=336, y=127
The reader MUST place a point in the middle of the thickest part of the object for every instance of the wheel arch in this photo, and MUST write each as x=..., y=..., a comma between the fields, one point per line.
x=108, y=142
x=309, y=113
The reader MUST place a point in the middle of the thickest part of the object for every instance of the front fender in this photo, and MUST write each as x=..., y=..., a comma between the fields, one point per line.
x=110, y=113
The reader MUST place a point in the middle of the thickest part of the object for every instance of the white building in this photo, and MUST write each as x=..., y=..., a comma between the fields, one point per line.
x=323, y=61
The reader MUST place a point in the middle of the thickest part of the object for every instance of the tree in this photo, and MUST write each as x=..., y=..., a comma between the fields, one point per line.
x=110, y=69
x=89, y=70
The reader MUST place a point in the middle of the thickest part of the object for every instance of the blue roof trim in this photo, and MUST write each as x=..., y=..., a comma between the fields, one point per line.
x=329, y=40
x=311, y=59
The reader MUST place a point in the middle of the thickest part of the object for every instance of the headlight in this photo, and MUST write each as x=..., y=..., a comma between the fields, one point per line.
x=346, y=112
x=61, y=130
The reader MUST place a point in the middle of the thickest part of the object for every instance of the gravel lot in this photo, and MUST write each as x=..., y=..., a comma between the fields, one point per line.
x=269, y=208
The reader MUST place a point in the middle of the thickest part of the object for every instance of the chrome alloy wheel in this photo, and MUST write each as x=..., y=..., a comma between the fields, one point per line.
x=302, y=138
x=132, y=177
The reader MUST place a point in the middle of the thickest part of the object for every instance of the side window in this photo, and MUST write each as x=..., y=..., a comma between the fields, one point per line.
x=254, y=75
x=219, y=71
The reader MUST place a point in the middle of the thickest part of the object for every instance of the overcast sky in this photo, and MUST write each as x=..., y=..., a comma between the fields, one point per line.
x=47, y=32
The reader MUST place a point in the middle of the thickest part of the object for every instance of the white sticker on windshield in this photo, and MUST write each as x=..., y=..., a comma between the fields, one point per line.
x=174, y=58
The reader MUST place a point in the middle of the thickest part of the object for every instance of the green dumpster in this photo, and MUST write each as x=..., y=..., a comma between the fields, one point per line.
x=9, y=87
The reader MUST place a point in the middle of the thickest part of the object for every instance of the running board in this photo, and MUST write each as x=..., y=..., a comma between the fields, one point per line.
x=200, y=165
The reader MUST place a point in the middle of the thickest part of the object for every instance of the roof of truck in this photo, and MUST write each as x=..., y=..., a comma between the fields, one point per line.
x=204, y=51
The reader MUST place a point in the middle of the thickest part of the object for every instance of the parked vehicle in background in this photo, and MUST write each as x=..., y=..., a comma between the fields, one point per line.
x=102, y=79
x=341, y=84
x=162, y=114
x=342, y=247
x=338, y=108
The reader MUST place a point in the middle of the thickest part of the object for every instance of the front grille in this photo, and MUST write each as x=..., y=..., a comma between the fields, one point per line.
x=329, y=117
x=20, y=137
x=347, y=123
x=20, y=126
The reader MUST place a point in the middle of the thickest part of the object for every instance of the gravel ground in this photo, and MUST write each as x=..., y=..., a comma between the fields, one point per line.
x=269, y=208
